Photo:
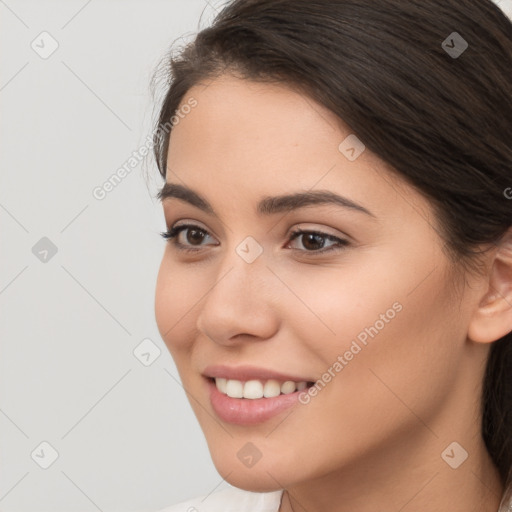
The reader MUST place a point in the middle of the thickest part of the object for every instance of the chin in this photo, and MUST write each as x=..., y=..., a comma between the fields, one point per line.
x=249, y=482
x=263, y=476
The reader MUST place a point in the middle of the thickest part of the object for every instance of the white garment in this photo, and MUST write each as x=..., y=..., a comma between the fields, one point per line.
x=234, y=499
x=506, y=500
x=231, y=499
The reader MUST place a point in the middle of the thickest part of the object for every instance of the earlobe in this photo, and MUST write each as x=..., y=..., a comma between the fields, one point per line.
x=492, y=319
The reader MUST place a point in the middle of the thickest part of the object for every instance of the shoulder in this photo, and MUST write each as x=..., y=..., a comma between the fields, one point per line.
x=231, y=499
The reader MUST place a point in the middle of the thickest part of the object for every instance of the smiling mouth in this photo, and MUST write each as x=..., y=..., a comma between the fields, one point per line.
x=258, y=388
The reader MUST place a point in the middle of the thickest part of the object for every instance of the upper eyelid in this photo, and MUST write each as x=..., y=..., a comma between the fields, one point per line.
x=298, y=230
x=299, y=227
x=340, y=243
x=187, y=222
x=174, y=212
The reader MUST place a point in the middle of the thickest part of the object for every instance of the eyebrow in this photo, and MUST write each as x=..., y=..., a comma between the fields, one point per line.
x=267, y=205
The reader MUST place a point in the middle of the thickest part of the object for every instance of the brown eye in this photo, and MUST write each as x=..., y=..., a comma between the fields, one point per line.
x=194, y=236
x=314, y=241
x=192, y=241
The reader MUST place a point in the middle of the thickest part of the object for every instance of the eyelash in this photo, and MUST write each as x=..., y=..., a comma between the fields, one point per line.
x=172, y=234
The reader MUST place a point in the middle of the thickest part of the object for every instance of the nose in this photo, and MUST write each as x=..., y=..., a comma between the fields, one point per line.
x=241, y=302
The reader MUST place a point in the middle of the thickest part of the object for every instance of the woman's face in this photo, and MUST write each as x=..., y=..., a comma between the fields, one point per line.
x=371, y=313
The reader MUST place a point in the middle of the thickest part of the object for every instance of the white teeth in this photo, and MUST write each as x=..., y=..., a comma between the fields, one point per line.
x=221, y=384
x=288, y=387
x=301, y=385
x=254, y=389
x=234, y=389
x=272, y=388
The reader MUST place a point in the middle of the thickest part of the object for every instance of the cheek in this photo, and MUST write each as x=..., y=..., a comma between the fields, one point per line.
x=403, y=365
x=176, y=300
x=332, y=306
x=381, y=324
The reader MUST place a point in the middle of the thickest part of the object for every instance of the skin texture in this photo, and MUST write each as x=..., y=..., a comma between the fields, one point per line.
x=372, y=438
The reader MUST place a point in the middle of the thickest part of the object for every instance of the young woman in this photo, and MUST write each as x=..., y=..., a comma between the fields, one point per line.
x=336, y=290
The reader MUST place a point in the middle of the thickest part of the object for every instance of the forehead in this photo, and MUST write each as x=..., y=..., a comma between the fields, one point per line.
x=264, y=139
x=255, y=126
x=254, y=113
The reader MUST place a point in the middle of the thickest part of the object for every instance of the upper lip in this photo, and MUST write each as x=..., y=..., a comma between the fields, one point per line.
x=246, y=372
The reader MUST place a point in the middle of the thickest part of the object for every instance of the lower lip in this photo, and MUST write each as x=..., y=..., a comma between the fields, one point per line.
x=247, y=411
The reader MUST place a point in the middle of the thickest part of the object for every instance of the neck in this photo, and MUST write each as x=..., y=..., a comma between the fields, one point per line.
x=410, y=475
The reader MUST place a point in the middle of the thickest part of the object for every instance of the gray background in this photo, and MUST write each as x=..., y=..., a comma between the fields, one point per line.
x=125, y=434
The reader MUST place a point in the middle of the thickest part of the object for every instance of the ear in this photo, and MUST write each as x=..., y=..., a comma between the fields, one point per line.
x=492, y=319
